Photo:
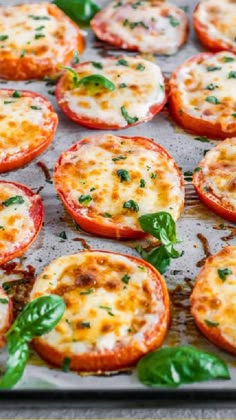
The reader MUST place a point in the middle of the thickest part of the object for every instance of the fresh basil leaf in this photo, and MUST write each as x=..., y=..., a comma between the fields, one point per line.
x=18, y=199
x=158, y=257
x=15, y=366
x=123, y=174
x=127, y=117
x=74, y=73
x=160, y=225
x=223, y=273
x=232, y=74
x=175, y=366
x=97, y=80
x=38, y=317
x=80, y=11
x=4, y=301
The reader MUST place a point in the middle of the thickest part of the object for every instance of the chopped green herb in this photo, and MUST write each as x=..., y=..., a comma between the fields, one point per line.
x=18, y=199
x=223, y=273
x=92, y=189
x=2, y=228
x=132, y=205
x=108, y=309
x=85, y=324
x=126, y=278
x=3, y=37
x=36, y=108
x=211, y=86
x=75, y=58
x=51, y=92
x=4, y=301
x=122, y=85
x=8, y=102
x=203, y=139
x=87, y=292
x=212, y=100
x=232, y=74
x=206, y=188
x=97, y=65
x=85, y=199
x=197, y=169
x=118, y=4
x=133, y=25
x=153, y=175
x=173, y=21
x=130, y=120
x=141, y=267
x=140, y=67
x=50, y=81
x=142, y=183
x=122, y=62
x=16, y=94
x=138, y=3
x=213, y=68
x=228, y=59
x=108, y=215
x=116, y=159
x=211, y=323
x=39, y=28
x=63, y=235
x=23, y=52
x=38, y=36
x=39, y=17
x=234, y=115
x=66, y=364
x=123, y=175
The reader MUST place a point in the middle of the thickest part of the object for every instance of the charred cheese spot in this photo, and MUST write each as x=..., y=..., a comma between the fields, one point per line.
x=218, y=172
x=193, y=81
x=214, y=299
x=140, y=94
x=161, y=193
x=151, y=27
x=24, y=124
x=103, y=319
x=17, y=225
x=219, y=19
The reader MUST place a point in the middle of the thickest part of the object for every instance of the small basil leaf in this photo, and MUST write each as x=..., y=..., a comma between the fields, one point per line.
x=175, y=366
x=97, y=80
x=38, y=317
x=160, y=225
x=78, y=10
x=159, y=258
x=74, y=73
x=127, y=117
x=15, y=366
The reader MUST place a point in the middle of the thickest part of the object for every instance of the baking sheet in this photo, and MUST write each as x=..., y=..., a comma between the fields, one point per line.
x=195, y=219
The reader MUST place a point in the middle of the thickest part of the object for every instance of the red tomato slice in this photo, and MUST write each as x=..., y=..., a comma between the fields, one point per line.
x=29, y=118
x=96, y=177
x=52, y=40
x=101, y=108
x=213, y=21
x=215, y=181
x=6, y=315
x=117, y=310
x=194, y=90
x=21, y=218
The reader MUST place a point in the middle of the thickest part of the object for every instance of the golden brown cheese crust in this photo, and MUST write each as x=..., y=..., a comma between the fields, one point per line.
x=213, y=299
x=117, y=309
x=35, y=39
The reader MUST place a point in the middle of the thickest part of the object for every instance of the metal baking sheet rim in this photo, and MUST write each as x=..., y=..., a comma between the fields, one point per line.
x=41, y=382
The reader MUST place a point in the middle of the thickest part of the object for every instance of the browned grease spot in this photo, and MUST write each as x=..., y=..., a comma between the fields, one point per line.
x=45, y=170
x=83, y=242
x=206, y=249
x=232, y=230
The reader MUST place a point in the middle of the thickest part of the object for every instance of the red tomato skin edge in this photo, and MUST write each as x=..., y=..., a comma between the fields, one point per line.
x=111, y=231
x=126, y=357
x=10, y=319
x=37, y=214
x=211, y=44
x=189, y=123
x=211, y=201
x=98, y=124
x=23, y=158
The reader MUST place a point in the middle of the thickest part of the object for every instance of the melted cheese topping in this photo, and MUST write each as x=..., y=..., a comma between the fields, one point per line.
x=4, y=311
x=219, y=172
x=207, y=89
x=219, y=18
x=25, y=124
x=136, y=90
x=102, y=311
x=149, y=26
x=16, y=223
x=214, y=299
x=32, y=30
x=91, y=170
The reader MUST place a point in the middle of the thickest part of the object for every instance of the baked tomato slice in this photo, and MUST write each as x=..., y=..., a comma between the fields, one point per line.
x=6, y=315
x=117, y=310
x=106, y=182
x=116, y=92
x=21, y=218
x=146, y=26
x=27, y=126
x=212, y=299
x=214, y=23
x=202, y=95
x=35, y=39
x=215, y=179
